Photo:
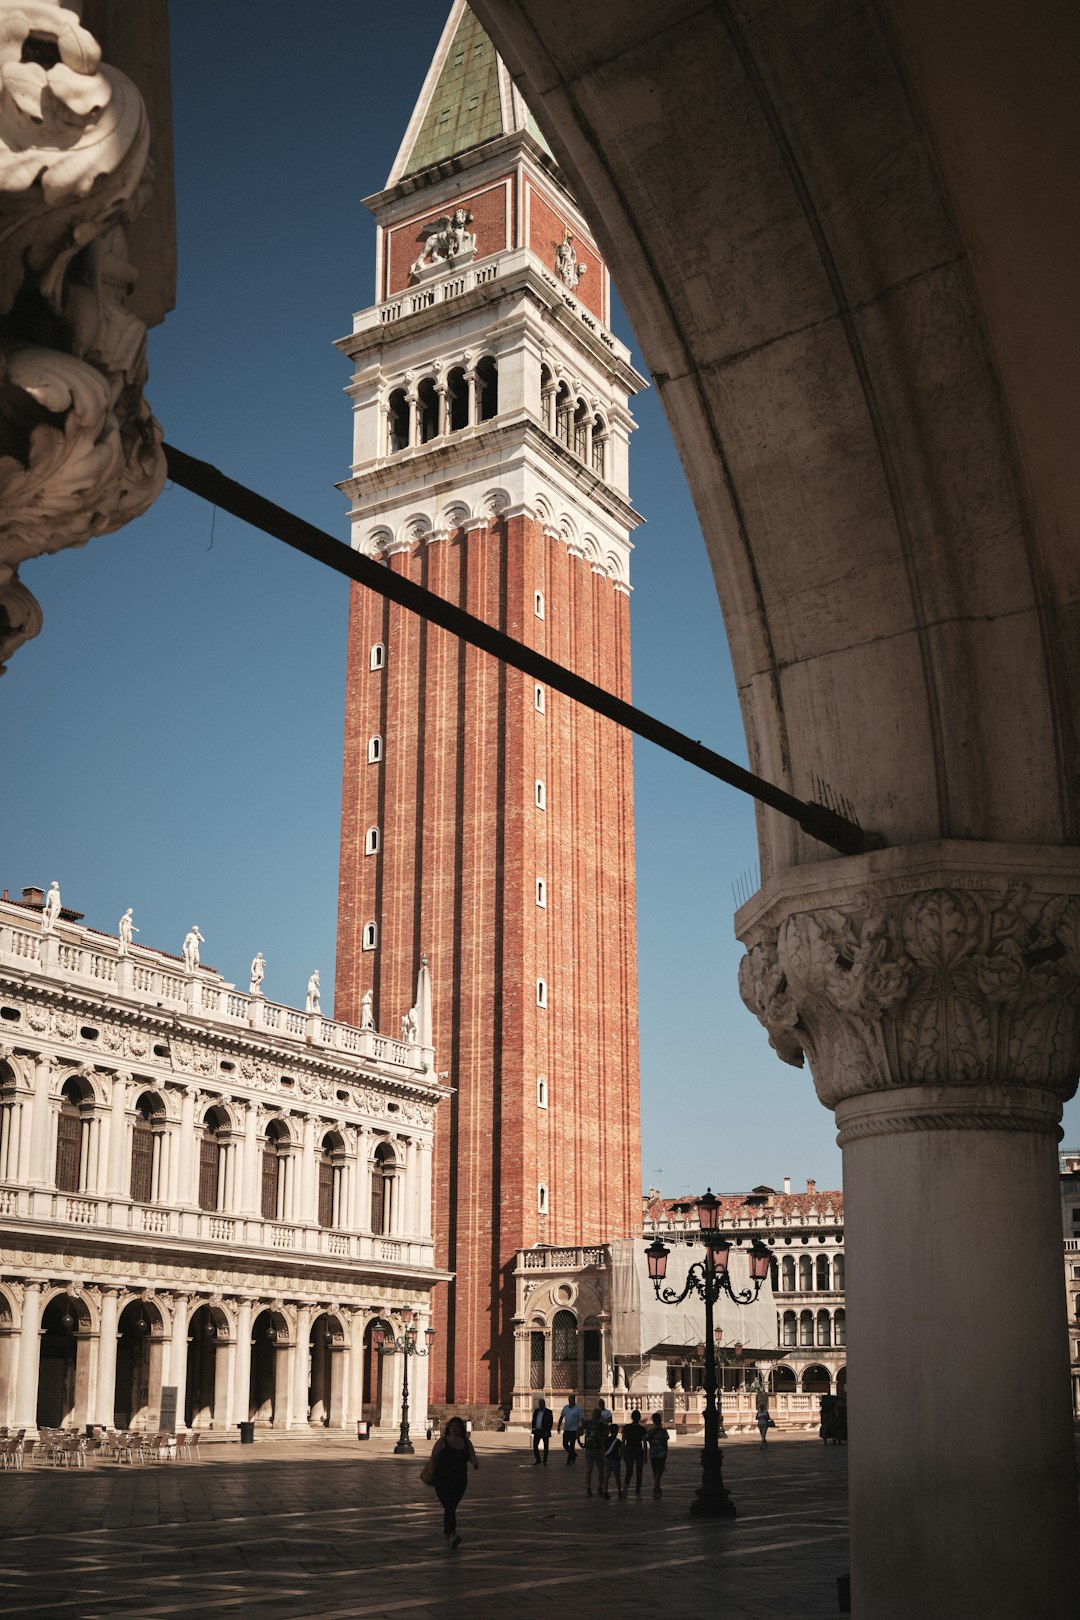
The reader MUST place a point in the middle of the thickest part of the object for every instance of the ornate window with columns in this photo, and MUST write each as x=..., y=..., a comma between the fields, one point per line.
x=147, y=1141
x=73, y=1137
x=213, y=1149
x=275, y=1169
x=383, y=1176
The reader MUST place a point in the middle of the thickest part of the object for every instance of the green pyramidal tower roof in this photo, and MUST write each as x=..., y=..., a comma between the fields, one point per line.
x=467, y=99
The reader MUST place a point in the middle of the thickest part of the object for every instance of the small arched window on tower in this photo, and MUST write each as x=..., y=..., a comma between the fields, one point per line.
x=824, y=1328
x=541, y=796
x=427, y=411
x=397, y=422
x=487, y=389
x=457, y=400
x=582, y=420
x=541, y=1092
x=541, y=993
x=822, y=1268
x=538, y=604
x=788, y=1274
x=538, y=698
x=806, y=1328
x=806, y=1274
x=371, y=936
x=547, y=396
x=374, y=750
x=564, y=415
x=599, y=447
x=378, y=656
x=541, y=1199
x=541, y=893
x=371, y=841
x=790, y=1329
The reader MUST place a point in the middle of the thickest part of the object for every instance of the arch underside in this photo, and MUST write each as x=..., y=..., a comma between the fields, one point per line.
x=847, y=375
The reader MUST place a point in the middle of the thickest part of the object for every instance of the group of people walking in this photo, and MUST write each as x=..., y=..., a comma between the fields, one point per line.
x=610, y=1453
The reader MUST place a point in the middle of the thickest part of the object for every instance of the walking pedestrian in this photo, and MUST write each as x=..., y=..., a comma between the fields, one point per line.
x=764, y=1424
x=593, y=1435
x=633, y=1445
x=612, y=1462
x=451, y=1457
x=541, y=1431
x=658, y=1444
x=571, y=1419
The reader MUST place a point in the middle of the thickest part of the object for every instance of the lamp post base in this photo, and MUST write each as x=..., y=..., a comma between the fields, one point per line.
x=710, y=1503
x=404, y=1447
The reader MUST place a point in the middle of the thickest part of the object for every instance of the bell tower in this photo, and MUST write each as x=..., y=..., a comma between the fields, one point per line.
x=487, y=822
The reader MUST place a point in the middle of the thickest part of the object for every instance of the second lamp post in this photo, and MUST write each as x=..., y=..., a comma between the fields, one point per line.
x=387, y=1345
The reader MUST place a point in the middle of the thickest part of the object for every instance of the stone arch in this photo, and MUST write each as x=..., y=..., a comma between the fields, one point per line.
x=141, y=1349
x=327, y=1343
x=210, y=1333
x=414, y=529
x=377, y=1386
x=545, y=513
x=816, y=1380
x=63, y=1388
x=375, y=542
x=495, y=502
x=456, y=515
x=268, y=1376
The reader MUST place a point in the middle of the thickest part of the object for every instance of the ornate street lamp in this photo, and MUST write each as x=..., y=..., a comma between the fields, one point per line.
x=709, y=1279
x=387, y=1345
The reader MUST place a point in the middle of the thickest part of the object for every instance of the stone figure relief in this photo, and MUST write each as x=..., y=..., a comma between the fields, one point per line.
x=192, y=940
x=125, y=929
x=366, y=1020
x=50, y=912
x=81, y=453
x=568, y=267
x=447, y=239
x=258, y=973
x=311, y=1004
x=943, y=986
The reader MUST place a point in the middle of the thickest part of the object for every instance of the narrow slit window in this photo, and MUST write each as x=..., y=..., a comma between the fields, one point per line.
x=538, y=604
x=371, y=841
x=541, y=796
x=378, y=655
x=541, y=1092
x=542, y=1199
x=374, y=750
x=371, y=936
x=541, y=893
x=541, y=993
x=538, y=699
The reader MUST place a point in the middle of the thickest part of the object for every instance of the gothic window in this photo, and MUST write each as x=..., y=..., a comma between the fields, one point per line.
x=788, y=1272
x=806, y=1328
x=541, y=892
x=382, y=1185
x=789, y=1328
x=564, y=415
x=374, y=750
x=838, y=1273
x=145, y=1149
x=72, y=1127
x=541, y=993
x=378, y=655
x=536, y=1360
x=840, y=1327
x=581, y=429
x=274, y=1170
x=538, y=604
x=427, y=411
x=539, y=699
x=591, y=1355
x=211, y=1160
x=457, y=400
x=541, y=1093
x=541, y=796
x=397, y=422
x=371, y=936
x=371, y=841
x=564, y=1351
x=824, y=1328
x=822, y=1269
x=331, y=1178
x=806, y=1274
x=547, y=395
x=487, y=389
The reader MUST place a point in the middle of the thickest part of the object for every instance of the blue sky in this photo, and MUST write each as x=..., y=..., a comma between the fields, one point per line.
x=175, y=731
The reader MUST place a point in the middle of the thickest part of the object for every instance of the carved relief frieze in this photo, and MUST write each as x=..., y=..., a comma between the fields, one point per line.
x=950, y=985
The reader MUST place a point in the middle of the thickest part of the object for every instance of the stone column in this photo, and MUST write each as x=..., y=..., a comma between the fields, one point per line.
x=185, y=1189
x=114, y=1175
x=933, y=991
x=307, y=1210
x=242, y=1370
x=250, y=1184
x=26, y=1379
x=301, y=1367
x=40, y=1169
x=178, y=1354
x=105, y=1389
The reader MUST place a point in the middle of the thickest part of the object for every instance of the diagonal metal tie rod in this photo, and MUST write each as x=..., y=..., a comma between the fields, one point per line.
x=822, y=823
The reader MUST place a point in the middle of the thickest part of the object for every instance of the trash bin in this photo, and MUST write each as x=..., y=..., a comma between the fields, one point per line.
x=247, y=1434
x=363, y=1429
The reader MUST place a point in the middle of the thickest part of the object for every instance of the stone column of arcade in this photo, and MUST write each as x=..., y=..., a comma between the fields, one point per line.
x=29, y=1358
x=105, y=1386
x=933, y=992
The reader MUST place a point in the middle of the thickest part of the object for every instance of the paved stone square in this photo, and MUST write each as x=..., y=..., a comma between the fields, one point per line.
x=330, y=1527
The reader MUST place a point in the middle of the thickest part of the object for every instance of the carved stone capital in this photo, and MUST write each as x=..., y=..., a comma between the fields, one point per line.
x=950, y=970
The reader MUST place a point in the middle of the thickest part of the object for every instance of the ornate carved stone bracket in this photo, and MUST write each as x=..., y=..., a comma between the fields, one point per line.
x=950, y=968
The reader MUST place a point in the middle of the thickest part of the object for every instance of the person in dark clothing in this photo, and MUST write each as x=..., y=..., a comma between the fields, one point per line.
x=451, y=1457
x=634, y=1440
x=542, y=1420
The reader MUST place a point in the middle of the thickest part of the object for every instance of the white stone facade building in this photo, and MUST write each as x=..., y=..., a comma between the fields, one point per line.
x=208, y=1200
x=587, y=1319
